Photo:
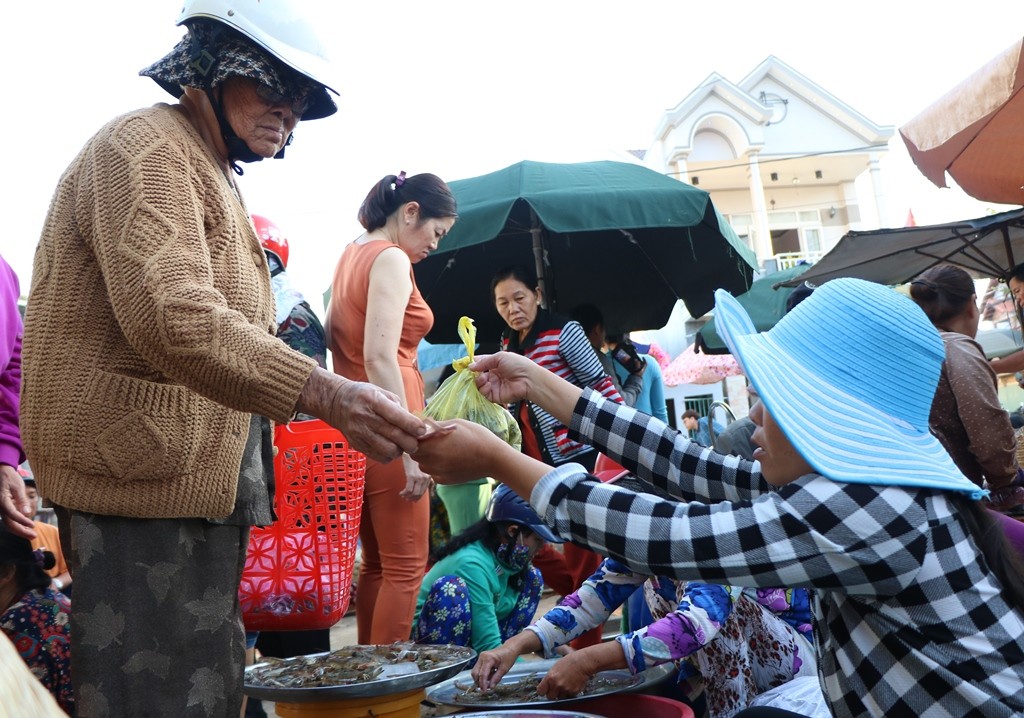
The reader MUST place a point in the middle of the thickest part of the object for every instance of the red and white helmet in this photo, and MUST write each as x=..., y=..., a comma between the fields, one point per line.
x=272, y=239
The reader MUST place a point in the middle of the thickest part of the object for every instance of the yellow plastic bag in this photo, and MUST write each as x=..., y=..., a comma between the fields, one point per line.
x=458, y=397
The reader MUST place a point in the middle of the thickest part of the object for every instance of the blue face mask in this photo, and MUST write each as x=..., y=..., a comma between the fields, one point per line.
x=514, y=554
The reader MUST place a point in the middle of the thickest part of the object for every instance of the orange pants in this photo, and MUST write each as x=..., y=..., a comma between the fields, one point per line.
x=394, y=534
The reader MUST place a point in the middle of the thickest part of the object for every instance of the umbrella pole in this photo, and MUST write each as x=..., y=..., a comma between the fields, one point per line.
x=1009, y=248
x=538, y=259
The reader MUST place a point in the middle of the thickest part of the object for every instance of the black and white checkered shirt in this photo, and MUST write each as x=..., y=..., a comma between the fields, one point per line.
x=909, y=619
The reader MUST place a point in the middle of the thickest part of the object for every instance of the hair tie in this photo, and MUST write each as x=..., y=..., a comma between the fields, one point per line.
x=927, y=283
x=400, y=179
x=39, y=557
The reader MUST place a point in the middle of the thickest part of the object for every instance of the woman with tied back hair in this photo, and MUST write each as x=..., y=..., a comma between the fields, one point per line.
x=34, y=616
x=966, y=415
x=375, y=322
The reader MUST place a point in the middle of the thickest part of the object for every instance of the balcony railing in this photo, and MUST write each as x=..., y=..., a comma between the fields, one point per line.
x=785, y=260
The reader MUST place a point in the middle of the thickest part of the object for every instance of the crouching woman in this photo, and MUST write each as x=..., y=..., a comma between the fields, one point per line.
x=483, y=588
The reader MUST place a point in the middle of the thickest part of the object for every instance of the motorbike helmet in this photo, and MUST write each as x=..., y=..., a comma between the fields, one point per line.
x=272, y=239
x=26, y=475
x=505, y=505
x=279, y=29
x=265, y=41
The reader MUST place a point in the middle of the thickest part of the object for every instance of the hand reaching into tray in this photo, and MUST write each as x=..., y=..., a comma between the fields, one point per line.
x=491, y=666
x=577, y=671
x=568, y=677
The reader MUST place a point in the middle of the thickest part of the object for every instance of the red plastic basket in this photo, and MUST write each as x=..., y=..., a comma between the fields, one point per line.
x=298, y=570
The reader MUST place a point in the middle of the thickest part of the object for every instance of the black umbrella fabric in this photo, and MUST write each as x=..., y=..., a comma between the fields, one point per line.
x=985, y=247
x=623, y=237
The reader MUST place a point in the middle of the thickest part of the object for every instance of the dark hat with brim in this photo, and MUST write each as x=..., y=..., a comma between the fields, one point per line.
x=206, y=57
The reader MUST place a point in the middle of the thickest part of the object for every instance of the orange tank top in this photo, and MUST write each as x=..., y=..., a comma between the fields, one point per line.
x=346, y=320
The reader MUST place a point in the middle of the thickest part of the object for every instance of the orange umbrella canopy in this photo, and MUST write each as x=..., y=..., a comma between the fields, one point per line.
x=976, y=132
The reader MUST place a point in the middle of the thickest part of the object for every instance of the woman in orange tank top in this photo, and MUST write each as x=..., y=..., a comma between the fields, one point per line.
x=375, y=322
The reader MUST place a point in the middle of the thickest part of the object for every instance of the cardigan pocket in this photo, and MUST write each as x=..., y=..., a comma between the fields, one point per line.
x=135, y=430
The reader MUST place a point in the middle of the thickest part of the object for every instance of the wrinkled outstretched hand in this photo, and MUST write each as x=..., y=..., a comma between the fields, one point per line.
x=374, y=421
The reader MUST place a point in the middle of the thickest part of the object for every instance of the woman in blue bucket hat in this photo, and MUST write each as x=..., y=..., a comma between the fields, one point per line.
x=918, y=601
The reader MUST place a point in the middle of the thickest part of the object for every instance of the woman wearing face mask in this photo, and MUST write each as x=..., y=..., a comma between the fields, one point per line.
x=483, y=588
x=375, y=322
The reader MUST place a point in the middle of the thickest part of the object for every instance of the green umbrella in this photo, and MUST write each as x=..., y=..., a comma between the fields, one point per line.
x=763, y=303
x=618, y=235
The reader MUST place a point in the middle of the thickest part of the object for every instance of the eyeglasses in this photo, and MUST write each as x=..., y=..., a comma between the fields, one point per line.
x=298, y=105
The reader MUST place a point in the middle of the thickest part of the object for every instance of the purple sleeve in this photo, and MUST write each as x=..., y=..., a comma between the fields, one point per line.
x=702, y=611
x=11, y=451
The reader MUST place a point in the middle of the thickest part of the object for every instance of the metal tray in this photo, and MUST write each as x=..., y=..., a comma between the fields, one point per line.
x=395, y=678
x=444, y=693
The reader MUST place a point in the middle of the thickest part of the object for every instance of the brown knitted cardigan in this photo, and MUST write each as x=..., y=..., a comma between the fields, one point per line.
x=148, y=333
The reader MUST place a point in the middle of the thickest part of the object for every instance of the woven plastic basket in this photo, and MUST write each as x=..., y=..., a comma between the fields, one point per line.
x=298, y=570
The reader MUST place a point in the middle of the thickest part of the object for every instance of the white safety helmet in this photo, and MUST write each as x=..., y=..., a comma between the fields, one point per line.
x=277, y=27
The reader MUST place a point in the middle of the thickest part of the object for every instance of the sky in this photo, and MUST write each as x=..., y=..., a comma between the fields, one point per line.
x=461, y=88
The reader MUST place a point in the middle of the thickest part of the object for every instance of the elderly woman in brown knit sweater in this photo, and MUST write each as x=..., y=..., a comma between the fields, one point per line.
x=150, y=362
x=966, y=415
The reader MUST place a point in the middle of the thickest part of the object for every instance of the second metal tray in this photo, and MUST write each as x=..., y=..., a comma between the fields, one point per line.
x=444, y=693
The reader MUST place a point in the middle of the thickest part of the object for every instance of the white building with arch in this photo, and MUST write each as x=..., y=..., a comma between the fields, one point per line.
x=792, y=167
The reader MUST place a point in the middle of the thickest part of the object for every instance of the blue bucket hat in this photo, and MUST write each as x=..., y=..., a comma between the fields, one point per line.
x=849, y=376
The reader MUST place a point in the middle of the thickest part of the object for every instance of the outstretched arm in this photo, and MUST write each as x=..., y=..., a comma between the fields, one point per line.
x=1008, y=364
x=587, y=607
x=458, y=451
x=369, y=417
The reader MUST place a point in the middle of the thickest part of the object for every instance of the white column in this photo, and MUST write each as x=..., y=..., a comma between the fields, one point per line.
x=854, y=206
x=882, y=216
x=762, y=236
x=678, y=168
